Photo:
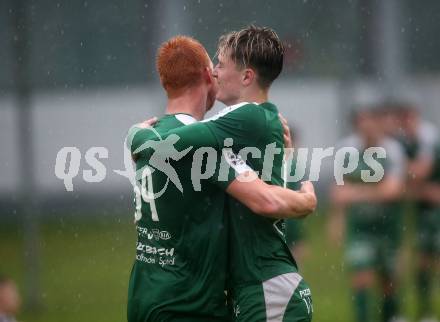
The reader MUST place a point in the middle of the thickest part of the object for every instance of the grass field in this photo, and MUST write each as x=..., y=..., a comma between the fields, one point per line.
x=85, y=265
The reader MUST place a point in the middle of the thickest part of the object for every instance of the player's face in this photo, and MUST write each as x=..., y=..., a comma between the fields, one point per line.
x=369, y=126
x=229, y=79
x=390, y=123
x=212, y=88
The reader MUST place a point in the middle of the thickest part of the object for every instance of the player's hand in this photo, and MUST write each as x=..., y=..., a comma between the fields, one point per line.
x=307, y=187
x=288, y=144
x=148, y=123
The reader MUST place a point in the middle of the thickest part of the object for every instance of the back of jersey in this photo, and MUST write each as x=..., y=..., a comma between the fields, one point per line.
x=179, y=271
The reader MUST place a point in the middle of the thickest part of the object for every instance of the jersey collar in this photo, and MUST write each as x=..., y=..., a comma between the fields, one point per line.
x=185, y=118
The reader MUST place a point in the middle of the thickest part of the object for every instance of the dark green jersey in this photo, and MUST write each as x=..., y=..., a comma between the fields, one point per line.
x=180, y=267
x=257, y=247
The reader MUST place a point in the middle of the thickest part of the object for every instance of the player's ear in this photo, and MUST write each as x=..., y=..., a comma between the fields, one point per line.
x=207, y=75
x=248, y=76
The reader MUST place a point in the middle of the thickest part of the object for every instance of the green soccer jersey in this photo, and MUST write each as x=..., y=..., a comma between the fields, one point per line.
x=257, y=246
x=180, y=267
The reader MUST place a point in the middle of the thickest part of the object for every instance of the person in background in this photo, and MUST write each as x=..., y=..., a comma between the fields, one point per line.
x=420, y=139
x=428, y=238
x=9, y=300
x=371, y=213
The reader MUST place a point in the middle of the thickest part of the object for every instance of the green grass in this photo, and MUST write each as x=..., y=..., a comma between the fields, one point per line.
x=85, y=266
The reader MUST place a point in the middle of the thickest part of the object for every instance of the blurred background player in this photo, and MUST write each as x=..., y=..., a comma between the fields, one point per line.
x=370, y=213
x=428, y=238
x=419, y=139
x=9, y=300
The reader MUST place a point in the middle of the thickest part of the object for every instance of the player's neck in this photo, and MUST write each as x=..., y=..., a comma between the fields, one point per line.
x=191, y=102
x=254, y=95
x=371, y=141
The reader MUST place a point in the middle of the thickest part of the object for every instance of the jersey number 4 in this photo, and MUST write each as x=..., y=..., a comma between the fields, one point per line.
x=144, y=191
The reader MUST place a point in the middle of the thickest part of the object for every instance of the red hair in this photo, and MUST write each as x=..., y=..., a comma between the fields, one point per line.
x=180, y=63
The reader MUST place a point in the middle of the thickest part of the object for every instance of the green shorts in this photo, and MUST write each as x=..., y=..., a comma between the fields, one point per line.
x=283, y=298
x=372, y=251
x=428, y=231
x=374, y=235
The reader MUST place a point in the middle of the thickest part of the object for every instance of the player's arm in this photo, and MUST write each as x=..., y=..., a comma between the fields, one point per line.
x=420, y=169
x=238, y=125
x=390, y=188
x=196, y=135
x=243, y=184
x=138, y=134
x=273, y=201
x=429, y=192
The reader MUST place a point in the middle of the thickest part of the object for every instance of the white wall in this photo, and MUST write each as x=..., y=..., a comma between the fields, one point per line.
x=101, y=118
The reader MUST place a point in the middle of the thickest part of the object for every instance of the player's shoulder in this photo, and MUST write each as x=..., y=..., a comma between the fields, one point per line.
x=140, y=133
x=269, y=107
x=185, y=119
x=137, y=134
x=239, y=110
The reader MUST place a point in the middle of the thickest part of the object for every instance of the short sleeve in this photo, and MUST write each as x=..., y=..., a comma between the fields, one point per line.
x=136, y=136
x=228, y=168
x=244, y=124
